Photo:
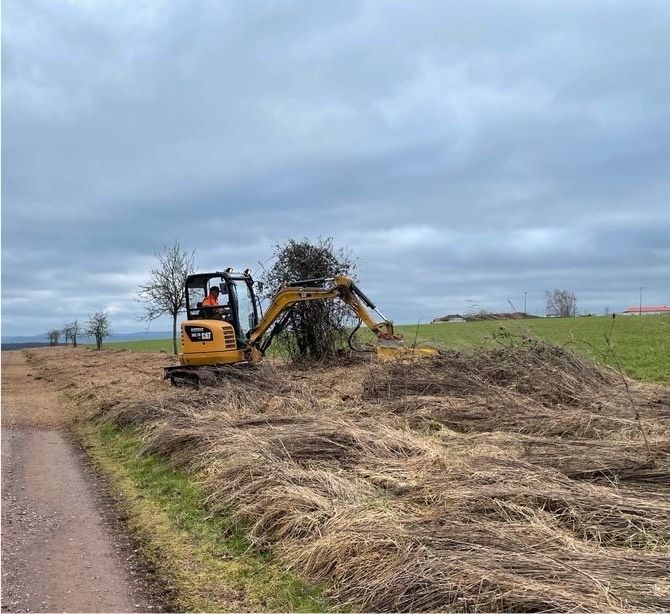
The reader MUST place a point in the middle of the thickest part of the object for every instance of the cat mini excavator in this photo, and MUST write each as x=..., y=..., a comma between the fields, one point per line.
x=233, y=331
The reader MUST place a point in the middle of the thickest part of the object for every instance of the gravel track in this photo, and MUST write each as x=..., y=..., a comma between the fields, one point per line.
x=62, y=547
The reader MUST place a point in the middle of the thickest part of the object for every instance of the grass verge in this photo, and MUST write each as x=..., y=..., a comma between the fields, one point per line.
x=205, y=564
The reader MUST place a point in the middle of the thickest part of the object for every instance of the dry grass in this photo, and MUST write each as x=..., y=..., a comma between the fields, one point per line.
x=514, y=480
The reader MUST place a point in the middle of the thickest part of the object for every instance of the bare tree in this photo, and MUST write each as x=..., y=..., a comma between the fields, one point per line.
x=67, y=333
x=314, y=330
x=165, y=292
x=75, y=331
x=561, y=303
x=70, y=332
x=98, y=327
x=54, y=336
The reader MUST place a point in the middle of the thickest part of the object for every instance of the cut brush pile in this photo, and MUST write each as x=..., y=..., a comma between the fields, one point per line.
x=522, y=479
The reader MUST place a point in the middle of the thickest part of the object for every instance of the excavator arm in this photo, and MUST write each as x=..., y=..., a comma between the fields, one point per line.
x=339, y=287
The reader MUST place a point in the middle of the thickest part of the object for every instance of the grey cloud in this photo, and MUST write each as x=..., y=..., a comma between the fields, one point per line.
x=462, y=150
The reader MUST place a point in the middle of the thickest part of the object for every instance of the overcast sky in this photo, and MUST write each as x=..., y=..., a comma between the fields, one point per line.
x=466, y=152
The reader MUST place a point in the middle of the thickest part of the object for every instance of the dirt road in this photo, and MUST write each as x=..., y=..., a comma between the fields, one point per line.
x=61, y=547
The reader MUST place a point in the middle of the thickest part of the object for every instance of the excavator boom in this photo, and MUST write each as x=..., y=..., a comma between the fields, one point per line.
x=339, y=287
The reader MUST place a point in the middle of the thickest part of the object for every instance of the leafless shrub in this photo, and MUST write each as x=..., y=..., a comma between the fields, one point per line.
x=561, y=303
x=314, y=330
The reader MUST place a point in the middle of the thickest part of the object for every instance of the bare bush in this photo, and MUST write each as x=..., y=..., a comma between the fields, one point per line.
x=561, y=303
x=316, y=329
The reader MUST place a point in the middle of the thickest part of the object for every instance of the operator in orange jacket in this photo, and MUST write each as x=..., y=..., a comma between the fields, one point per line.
x=212, y=299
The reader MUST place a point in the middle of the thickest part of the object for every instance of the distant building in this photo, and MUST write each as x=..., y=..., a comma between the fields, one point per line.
x=452, y=317
x=646, y=310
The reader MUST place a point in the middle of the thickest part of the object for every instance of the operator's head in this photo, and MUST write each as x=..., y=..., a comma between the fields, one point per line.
x=214, y=290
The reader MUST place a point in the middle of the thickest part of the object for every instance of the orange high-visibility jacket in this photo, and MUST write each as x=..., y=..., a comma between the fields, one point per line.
x=210, y=301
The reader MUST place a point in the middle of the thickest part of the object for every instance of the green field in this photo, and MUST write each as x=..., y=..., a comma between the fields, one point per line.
x=640, y=345
x=150, y=345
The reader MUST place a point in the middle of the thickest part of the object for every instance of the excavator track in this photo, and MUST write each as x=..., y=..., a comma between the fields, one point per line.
x=203, y=375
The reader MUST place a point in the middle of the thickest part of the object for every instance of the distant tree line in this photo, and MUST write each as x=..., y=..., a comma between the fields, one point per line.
x=314, y=330
x=97, y=326
x=163, y=294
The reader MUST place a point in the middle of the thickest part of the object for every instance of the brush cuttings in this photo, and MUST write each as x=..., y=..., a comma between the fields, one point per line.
x=520, y=479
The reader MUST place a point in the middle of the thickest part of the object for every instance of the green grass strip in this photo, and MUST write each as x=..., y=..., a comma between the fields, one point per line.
x=207, y=564
x=147, y=345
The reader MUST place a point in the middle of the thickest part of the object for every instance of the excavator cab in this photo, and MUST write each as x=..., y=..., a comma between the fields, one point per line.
x=217, y=334
x=237, y=301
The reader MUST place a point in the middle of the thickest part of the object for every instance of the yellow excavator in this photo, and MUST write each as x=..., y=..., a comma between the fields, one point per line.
x=233, y=331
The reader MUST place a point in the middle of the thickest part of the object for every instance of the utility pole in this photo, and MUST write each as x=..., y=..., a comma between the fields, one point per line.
x=640, y=301
x=524, y=303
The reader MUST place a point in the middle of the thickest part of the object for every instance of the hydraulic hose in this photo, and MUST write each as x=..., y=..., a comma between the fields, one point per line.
x=351, y=336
